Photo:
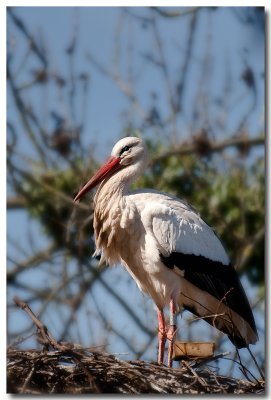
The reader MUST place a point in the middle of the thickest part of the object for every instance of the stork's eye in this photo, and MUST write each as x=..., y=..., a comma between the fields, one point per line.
x=125, y=148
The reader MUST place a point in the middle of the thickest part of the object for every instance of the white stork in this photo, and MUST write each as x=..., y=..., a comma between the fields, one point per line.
x=171, y=253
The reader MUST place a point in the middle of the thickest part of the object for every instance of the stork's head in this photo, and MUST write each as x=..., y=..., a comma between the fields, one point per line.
x=128, y=159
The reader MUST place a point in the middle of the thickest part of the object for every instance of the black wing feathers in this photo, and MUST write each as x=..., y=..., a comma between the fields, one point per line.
x=219, y=280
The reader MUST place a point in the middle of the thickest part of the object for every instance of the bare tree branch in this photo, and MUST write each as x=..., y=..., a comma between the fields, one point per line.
x=22, y=27
x=213, y=147
x=173, y=14
x=33, y=261
x=16, y=202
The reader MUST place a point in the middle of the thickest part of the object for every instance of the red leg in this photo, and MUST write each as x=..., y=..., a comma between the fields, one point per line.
x=162, y=336
x=171, y=333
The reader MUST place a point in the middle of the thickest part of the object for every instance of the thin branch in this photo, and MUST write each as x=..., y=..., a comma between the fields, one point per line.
x=163, y=65
x=126, y=307
x=16, y=202
x=25, y=114
x=45, y=336
x=21, y=26
x=175, y=14
x=33, y=261
x=214, y=147
x=255, y=361
x=76, y=301
x=248, y=250
x=121, y=84
x=119, y=334
x=180, y=87
x=71, y=52
x=49, y=341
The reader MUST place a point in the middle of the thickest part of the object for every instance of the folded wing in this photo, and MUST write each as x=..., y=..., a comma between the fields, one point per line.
x=188, y=246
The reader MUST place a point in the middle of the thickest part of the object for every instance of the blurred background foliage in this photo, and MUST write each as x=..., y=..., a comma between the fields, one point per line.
x=49, y=158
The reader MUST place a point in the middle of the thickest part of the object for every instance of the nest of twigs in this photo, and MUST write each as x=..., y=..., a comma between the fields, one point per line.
x=71, y=369
x=78, y=371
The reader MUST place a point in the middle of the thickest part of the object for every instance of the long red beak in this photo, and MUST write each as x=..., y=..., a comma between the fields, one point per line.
x=109, y=168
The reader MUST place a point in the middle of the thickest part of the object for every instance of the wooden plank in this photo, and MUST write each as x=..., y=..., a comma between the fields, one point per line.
x=182, y=350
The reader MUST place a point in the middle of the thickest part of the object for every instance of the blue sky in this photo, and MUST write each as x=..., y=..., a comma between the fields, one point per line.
x=96, y=32
x=104, y=120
